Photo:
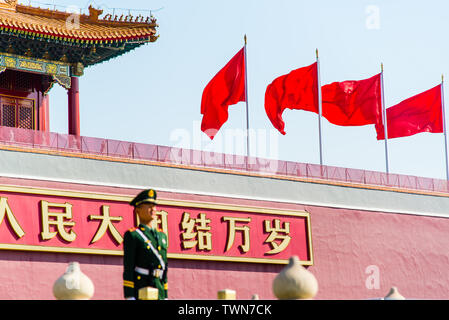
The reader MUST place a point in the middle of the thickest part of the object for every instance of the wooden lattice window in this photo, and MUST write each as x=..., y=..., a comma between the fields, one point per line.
x=17, y=81
x=5, y=80
x=8, y=115
x=23, y=82
x=17, y=113
x=25, y=114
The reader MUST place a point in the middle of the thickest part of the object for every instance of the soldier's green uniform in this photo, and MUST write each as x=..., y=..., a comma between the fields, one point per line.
x=145, y=255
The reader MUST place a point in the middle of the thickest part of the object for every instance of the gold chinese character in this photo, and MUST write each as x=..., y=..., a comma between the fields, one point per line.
x=6, y=210
x=188, y=225
x=274, y=235
x=60, y=221
x=161, y=221
x=106, y=224
x=204, y=238
x=232, y=229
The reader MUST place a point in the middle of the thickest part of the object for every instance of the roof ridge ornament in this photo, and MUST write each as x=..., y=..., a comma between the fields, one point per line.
x=94, y=13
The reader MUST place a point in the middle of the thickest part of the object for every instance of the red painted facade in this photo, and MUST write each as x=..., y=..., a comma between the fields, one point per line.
x=408, y=251
x=25, y=87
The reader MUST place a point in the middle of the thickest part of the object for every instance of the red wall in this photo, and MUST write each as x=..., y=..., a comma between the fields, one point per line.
x=409, y=251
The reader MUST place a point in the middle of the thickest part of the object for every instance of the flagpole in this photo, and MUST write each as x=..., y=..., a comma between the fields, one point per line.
x=319, y=108
x=444, y=127
x=384, y=117
x=247, y=108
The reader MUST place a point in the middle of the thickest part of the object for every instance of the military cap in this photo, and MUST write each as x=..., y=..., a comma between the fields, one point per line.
x=146, y=196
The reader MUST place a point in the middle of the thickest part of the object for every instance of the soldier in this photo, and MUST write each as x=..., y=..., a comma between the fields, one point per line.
x=145, y=250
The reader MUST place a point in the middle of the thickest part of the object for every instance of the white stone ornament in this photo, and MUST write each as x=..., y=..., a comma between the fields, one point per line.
x=295, y=282
x=394, y=295
x=73, y=284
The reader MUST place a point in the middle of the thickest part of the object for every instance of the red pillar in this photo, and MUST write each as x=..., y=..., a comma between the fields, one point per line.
x=44, y=119
x=74, y=107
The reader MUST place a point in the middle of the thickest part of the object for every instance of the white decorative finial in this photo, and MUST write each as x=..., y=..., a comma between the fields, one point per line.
x=295, y=282
x=394, y=295
x=73, y=284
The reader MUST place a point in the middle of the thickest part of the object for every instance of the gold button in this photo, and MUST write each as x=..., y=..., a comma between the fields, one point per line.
x=138, y=277
x=148, y=247
x=159, y=266
x=159, y=248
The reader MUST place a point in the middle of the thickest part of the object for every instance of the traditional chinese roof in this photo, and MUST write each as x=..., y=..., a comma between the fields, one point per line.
x=70, y=38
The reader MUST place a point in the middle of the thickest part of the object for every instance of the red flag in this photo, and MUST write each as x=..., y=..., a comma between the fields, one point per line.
x=353, y=103
x=226, y=88
x=420, y=113
x=296, y=90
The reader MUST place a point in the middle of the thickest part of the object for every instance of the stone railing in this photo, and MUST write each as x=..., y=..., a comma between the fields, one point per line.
x=113, y=149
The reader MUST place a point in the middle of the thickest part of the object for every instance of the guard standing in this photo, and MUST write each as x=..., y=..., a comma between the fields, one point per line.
x=145, y=250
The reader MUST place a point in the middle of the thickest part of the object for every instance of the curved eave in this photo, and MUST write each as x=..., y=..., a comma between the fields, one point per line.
x=86, y=52
x=149, y=36
x=115, y=54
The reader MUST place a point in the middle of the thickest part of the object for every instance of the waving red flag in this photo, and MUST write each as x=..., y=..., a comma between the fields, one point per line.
x=420, y=113
x=226, y=88
x=296, y=90
x=353, y=103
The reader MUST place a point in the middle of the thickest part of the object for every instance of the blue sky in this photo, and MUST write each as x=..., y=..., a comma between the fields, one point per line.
x=153, y=94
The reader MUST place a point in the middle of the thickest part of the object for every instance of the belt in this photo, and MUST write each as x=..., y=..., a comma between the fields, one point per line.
x=142, y=271
x=157, y=273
